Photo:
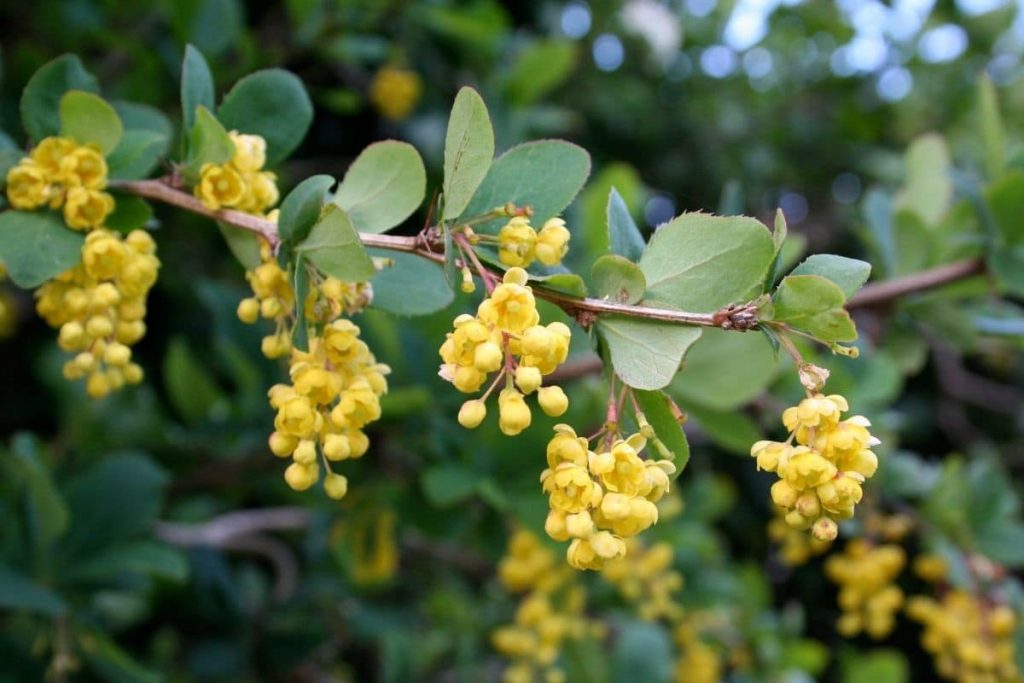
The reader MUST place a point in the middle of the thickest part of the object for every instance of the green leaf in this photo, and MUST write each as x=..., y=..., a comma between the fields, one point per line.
x=190, y=387
x=383, y=186
x=446, y=485
x=563, y=283
x=302, y=207
x=658, y=411
x=739, y=366
x=877, y=666
x=40, y=102
x=117, y=498
x=196, y=85
x=272, y=103
x=642, y=652
x=813, y=304
x=848, y=273
x=928, y=190
x=244, y=245
x=333, y=246
x=136, y=154
x=1005, y=201
x=130, y=212
x=411, y=286
x=147, y=558
x=730, y=430
x=618, y=279
x=300, y=335
x=594, y=200
x=36, y=246
x=990, y=121
x=107, y=661
x=468, y=151
x=545, y=175
x=644, y=353
x=45, y=508
x=208, y=143
x=87, y=118
x=18, y=592
x=624, y=236
x=1003, y=543
x=779, y=233
x=538, y=69
x=699, y=262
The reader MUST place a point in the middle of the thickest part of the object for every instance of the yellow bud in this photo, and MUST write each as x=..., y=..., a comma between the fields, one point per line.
x=528, y=379
x=305, y=452
x=97, y=386
x=825, y=529
x=99, y=326
x=132, y=373
x=282, y=445
x=336, y=486
x=117, y=355
x=249, y=310
x=270, y=308
x=300, y=477
x=336, y=447
x=553, y=400
x=70, y=336
x=515, y=276
x=488, y=357
x=472, y=413
x=513, y=413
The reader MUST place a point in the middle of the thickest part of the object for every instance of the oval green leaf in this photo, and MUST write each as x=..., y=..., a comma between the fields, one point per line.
x=40, y=102
x=272, y=103
x=36, y=245
x=468, y=151
x=383, y=186
x=618, y=279
x=333, y=246
x=646, y=354
x=87, y=118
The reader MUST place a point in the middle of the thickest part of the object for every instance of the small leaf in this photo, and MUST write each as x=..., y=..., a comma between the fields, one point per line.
x=196, y=85
x=244, y=245
x=813, y=304
x=990, y=121
x=848, y=273
x=446, y=485
x=658, y=411
x=545, y=175
x=87, y=118
x=190, y=388
x=563, y=283
x=739, y=367
x=538, y=69
x=877, y=666
x=333, y=246
x=618, y=279
x=624, y=236
x=130, y=212
x=699, y=262
x=147, y=558
x=468, y=151
x=40, y=102
x=36, y=246
x=646, y=354
x=730, y=430
x=928, y=190
x=18, y=592
x=383, y=186
x=272, y=103
x=300, y=335
x=137, y=154
x=301, y=208
x=208, y=143
x=412, y=286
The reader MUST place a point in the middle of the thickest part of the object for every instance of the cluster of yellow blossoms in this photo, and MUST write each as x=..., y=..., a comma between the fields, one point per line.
x=395, y=92
x=506, y=337
x=820, y=477
x=599, y=499
x=334, y=393
x=795, y=547
x=551, y=612
x=867, y=596
x=970, y=639
x=698, y=662
x=520, y=245
x=60, y=173
x=240, y=183
x=99, y=306
x=645, y=577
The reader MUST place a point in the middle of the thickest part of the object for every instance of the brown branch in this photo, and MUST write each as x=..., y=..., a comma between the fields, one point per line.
x=220, y=531
x=882, y=292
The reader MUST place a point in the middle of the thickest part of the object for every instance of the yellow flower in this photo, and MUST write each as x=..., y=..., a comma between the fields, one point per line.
x=571, y=488
x=472, y=413
x=553, y=400
x=84, y=166
x=86, y=209
x=219, y=185
x=565, y=446
x=49, y=153
x=511, y=307
x=250, y=151
x=513, y=413
x=28, y=186
x=395, y=92
x=552, y=242
x=516, y=242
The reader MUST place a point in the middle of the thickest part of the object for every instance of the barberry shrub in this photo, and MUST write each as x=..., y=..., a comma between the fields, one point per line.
x=322, y=261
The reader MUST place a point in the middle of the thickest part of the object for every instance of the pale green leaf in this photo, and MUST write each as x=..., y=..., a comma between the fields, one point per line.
x=618, y=279
x=383, y=186
x=333, y=246
x=539, y=68
x=468, y=151
x=411, y=286
x=40, y=101
x=208, y=143
x=563, y=283
x=726, y=370
x=36, y=245
x=272, y=103
x=301, y=208
x=990, y=121
x=658, y=411
x=813, y=304
x=196, y=85
x=244, y=245
x=624, y=236
x=928, y=190
x=646, y=354
x=88, y=118
x=848, y=273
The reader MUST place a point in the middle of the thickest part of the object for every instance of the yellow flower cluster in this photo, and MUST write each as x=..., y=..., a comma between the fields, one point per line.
x=334, y=393
x=699, y=662
x=867, y=596
x=795, y=547
x=60, y=173
x=99, y=306
x=970, y=639
x=274, y=299
x=240, y=183
x=506, y=337
x=599, y=499
x=551, y=612
x=820, y=477
x=520, y=245
x=395, y=92
x=646, y=578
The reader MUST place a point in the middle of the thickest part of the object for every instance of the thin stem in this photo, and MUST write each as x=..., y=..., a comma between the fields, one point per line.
x=467, y=251
x=887, y=290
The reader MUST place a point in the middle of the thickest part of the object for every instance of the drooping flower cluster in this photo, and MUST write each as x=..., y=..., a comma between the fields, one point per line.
x=519, y=244
x=645, y=577
x=61, y=174
x=99, y=306
x=599, y=499
x=240, y=183
x=550, y=613
x=970, y=639
x=334, y=393
x=867, y=596
x=395, y=92
x=820, y=476
x=506, y=337
x=795, y=547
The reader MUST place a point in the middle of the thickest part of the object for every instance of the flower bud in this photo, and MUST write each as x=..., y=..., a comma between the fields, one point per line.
x=248, y=310
x=825, y=529
x=472, y=413
x=553, y=400
x=513, y=413
x=336, y=486
x=528, y=379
